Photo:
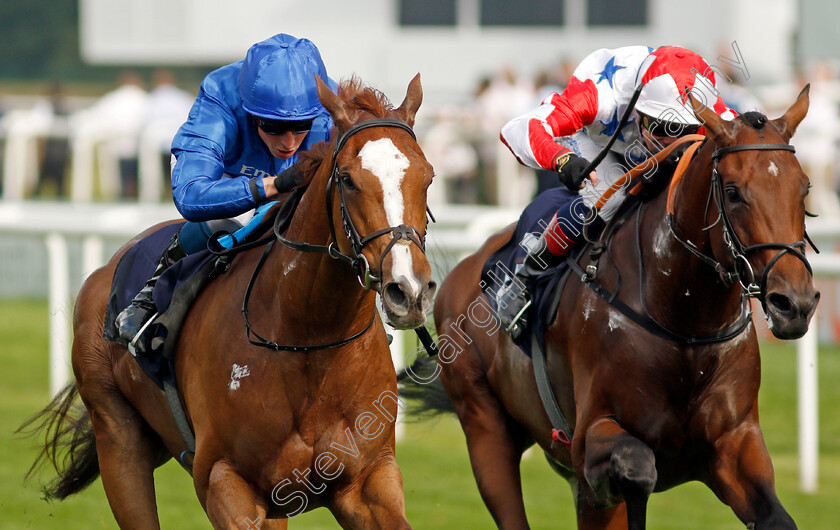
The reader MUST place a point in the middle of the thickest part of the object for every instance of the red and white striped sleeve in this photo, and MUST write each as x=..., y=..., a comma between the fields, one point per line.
x=530, y=137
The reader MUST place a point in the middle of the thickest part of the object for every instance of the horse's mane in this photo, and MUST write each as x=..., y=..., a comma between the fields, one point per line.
x=360, y=98
x=357, y=99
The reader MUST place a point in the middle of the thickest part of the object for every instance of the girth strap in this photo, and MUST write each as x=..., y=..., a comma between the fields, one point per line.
x=654, y=327
x=560, y=430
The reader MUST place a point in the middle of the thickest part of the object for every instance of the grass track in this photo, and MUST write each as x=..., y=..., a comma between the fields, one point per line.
x=439, y=488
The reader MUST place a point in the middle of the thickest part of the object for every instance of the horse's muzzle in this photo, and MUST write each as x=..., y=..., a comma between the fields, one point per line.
x=791, y=312
x=407, y=302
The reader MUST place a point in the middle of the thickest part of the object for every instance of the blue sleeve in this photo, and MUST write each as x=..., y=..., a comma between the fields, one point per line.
x=198, y=188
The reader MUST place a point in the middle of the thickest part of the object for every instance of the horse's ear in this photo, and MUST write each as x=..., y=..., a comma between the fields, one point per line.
x=333, y=104
x=790, y=120
x=716, y=127
x=412, y=101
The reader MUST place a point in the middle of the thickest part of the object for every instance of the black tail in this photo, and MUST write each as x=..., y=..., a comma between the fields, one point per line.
x=69, y=444
x=420, y=383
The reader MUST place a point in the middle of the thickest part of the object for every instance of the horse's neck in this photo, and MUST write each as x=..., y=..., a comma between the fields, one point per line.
x=681, y=291
x=317, y=288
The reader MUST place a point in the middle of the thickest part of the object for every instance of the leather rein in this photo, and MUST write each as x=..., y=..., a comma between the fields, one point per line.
x=357, y=261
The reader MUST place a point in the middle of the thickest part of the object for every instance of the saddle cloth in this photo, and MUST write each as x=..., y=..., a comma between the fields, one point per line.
x=135, y=268
x=498, y=271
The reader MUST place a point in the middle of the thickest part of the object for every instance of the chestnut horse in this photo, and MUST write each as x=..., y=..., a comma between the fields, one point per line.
x=648, y=412
x=277, y=432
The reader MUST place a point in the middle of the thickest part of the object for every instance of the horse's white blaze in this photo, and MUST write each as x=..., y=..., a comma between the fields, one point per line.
x=773, y=170
x=383, y=159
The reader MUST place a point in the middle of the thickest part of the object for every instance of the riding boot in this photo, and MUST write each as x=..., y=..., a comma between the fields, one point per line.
x=561, y=236
x=517, y=296
x=131, y=320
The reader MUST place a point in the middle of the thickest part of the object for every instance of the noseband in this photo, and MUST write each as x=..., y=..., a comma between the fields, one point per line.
x=737, y=250
x=357, y=260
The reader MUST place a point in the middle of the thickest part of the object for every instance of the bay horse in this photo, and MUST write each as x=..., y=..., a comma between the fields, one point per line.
x=647, y=412
x=276, y=432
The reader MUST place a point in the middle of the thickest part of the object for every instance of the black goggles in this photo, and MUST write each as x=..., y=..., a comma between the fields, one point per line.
x=663, y=128
x=281, y=126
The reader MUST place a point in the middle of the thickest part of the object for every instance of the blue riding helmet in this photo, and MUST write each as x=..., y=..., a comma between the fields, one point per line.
x=277, y=80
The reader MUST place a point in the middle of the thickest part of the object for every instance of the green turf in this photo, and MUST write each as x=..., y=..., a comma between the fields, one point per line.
x=439, y=488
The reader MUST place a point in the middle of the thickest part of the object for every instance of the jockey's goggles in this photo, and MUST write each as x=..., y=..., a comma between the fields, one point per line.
x=662, y=128
x=281, y=126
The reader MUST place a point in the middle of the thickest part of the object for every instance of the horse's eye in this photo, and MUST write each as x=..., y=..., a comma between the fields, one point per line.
x=733, y=195
x=347, y=181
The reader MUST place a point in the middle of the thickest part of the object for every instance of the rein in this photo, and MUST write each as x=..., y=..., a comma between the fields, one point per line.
x=357, y=260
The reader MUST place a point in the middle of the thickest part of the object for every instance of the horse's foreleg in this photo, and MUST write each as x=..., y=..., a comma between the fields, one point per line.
x=377, y=501
x=742, y=476
x=618, y=463
x=228, y=499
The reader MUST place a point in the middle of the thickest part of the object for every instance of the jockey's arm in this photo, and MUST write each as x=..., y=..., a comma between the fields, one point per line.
x=530, y=137
x=201, y=189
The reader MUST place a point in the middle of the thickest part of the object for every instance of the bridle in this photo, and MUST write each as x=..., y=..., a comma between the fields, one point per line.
x=737, y=250
x=357, y=259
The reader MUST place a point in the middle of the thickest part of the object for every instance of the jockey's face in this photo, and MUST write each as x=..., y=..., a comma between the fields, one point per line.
x=658, y=134
x=282, y=138
x=282, y=145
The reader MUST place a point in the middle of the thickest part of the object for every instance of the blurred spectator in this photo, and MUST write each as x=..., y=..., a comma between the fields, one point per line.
x=817, y=135
x=114, y=123
x=553, y=79
x=56, y=145
x=168, y=108
x=167, y=101
x=497, y=100
x=731, y=86
x=455, y=160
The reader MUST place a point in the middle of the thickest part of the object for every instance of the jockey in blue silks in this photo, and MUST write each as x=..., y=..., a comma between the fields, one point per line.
x=237, y=148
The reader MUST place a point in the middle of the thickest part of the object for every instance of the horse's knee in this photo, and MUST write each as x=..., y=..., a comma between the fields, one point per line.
x=618, y=465
x=633, y=467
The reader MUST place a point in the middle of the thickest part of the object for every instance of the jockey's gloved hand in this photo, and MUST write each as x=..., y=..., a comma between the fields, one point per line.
x=288, y=179
x=570, y=169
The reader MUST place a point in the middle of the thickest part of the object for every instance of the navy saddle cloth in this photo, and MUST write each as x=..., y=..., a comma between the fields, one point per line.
x=501, y=266
x=134, y=269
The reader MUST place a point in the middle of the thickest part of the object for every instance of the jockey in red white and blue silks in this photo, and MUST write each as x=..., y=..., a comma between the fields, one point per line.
x=569, y=129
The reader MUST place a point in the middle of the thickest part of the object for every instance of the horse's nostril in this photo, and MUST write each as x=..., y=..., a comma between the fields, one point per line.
x=395, y=295
x=780, y=303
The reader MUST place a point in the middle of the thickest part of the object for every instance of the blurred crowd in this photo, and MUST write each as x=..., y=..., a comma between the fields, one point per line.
x=119, y=140
x=116, y=147
x=473, y=166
